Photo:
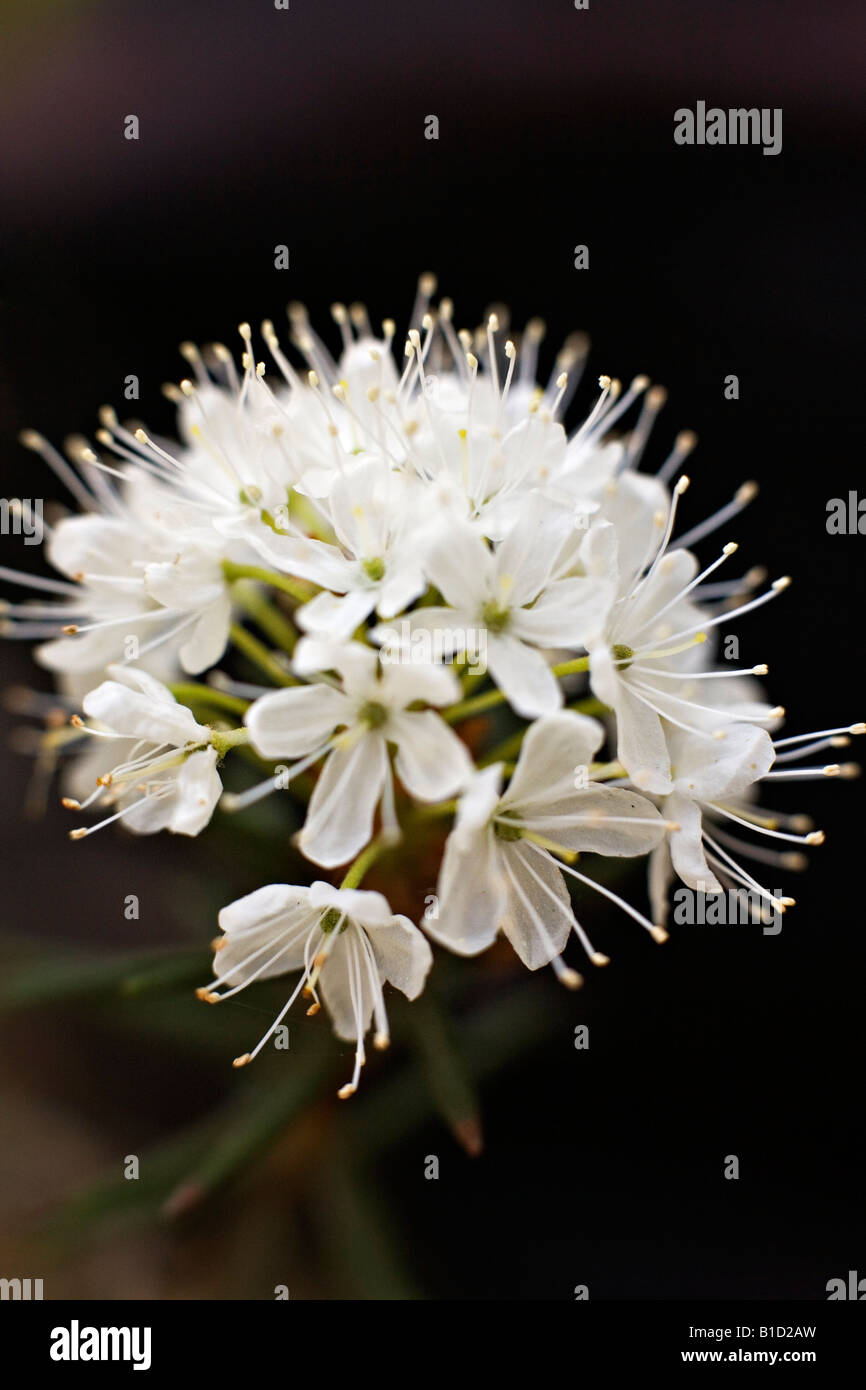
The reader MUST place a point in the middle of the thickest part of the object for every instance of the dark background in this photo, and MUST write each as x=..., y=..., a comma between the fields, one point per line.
x=306, y=127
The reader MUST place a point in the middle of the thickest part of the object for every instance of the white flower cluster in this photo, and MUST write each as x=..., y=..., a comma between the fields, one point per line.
x=380, y=525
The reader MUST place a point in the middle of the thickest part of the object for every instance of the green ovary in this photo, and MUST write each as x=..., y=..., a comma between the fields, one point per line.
x=331, y=919
x=374, y=569
x=504, y=831
x=495, y=617
x=373, y=714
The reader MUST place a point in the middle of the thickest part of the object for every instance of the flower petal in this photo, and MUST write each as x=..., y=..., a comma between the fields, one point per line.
x=687, y=852
x=289, y=723
x=432, y=762
x=198, y=790
x=471, y=894
x=402, y=954
x=138, y=715
x=340, y=814
x=523, y=676
x=536, y=928
x=553, y=749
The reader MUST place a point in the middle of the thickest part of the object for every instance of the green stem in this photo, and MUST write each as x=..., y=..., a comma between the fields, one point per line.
x=259, y=655
x=465, y=709
x=229, y=738
x=571, y=668
x=265, y=615
x=425, y=813
x=600, y=772
x=471, y=680
x=589, y=706
x=191, y=693
x=512, y=745
x=366, y=859
x=296, y=588
x=477, y=704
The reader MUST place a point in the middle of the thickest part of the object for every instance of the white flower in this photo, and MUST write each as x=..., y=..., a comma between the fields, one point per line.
x=345, y=942
x=137, y=570
x=441, y=490
x=643, y=664
x=713, y=795
x=508, y=595
x=168, y=778
x=371, y=708
x=704, y=773
x=376, y=564
x=497, y=870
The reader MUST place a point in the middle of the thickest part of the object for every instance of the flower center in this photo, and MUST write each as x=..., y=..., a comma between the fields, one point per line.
x=332, y=919
x=622, y=653
x=495, y=616
x=506, y=830
x=373, y=714
x=374, y=568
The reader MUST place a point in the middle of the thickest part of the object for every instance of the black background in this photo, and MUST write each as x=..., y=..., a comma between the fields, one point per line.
x=556, y=128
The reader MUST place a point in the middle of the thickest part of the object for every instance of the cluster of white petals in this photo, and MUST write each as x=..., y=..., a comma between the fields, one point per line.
x=433, y=545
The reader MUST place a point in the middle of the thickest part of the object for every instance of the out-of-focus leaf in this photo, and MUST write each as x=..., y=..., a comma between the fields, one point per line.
x=121, y=974
x=488, y=1037
x=179, y=1175
x=367, y=1249
x=255, y=1120
x=454, y=1093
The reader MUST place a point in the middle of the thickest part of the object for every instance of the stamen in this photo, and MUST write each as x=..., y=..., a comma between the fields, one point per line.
x=652, y=403
x=859, y=728
x=742, y=497
x=804, y=773
x=684, y=444
x=570, y=978
x=727, y=551
x=777, y=587
x=596, y=957
x=736, y=871
x=83, y=831
x=37, y=581
x=656, y=932
x=814, y=837
x=34, y=441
